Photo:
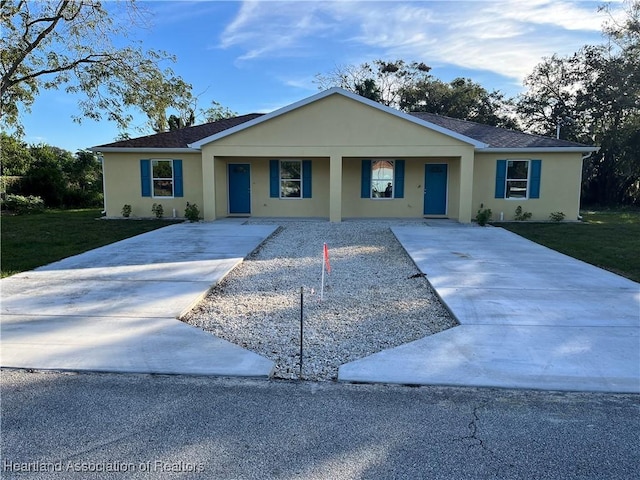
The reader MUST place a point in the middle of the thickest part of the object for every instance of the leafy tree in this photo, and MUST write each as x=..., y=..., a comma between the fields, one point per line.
x=217, y=112
x=368, y=89
x=550, y=105
x=411, y=87
x=593, y=96
x=176, y=123
x=16, y=157
x=74, y=45
x=58, y=176
x=45, y=177
x=461, y=98
x=84, y=180
x=381, y=81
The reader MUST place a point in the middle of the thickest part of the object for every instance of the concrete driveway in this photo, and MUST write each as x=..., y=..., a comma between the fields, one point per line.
x=529, y=317
x=115, y=308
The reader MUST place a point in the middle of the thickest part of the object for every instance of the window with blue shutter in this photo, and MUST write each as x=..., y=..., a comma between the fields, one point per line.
x=161, y=178
x=290, y=179
x=145, y=177
x=382, y=179
x=306, y=179
x=501, y=178
x=365, y=191
x=534, y=187
x=399, y=179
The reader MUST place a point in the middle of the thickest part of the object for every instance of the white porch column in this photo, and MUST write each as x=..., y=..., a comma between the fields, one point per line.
x=208, y=188
x=335, y=188
x=466, y=188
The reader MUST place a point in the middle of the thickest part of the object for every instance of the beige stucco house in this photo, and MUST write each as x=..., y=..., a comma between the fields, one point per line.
x=337, y=155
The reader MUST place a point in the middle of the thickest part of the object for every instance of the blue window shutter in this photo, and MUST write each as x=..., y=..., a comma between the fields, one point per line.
x=178, y=190
x=145, y=177
x=365, y=190
x=501, y=177
x=534, y=184
x=274, y=178
x=398, y=187
x=306, y=178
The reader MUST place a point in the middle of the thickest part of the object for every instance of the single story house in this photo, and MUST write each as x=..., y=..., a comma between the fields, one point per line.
x=337, y=155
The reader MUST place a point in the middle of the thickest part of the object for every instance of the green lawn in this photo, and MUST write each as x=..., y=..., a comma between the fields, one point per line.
x=29, y=241
x=608, y=239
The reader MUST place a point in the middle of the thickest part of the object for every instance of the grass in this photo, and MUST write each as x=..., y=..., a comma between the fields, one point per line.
x=608, y=239
x=29, y=241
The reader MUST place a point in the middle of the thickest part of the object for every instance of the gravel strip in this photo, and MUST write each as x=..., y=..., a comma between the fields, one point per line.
x=375, y=298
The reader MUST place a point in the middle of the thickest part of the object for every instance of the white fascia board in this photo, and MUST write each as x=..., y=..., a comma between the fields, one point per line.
x=142, y=150
x=539, y=150
x=352, y=96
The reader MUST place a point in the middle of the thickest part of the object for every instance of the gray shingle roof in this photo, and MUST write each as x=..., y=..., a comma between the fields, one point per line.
x=495, y=137
x=183, y=137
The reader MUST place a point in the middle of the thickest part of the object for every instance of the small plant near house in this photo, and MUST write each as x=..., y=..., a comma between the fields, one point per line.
x=483, y=215
x=157, y=210
x=521, y=215
x=556, y=216
x=191, y=212
x=126, y=210
x=21, y=205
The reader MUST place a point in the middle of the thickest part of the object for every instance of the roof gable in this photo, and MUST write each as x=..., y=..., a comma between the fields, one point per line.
x=344, y=93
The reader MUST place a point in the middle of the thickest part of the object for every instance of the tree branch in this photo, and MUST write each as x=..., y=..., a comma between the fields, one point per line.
x=6, y=82
x=92, y=59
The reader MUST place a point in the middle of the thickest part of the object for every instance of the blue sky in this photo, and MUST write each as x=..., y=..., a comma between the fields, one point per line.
x=260, y=56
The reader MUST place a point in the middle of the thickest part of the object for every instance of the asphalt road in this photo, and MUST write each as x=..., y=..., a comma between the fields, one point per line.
x=58, y=425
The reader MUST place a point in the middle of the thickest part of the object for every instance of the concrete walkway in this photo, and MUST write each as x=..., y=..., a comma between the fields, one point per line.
x=529, y=317
x=115, y=309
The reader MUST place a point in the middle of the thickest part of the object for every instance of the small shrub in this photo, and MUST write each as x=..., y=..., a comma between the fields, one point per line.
x=21, y=205
x=483, y=215
x=556, y=216
x=157, y=210
x=521, y=215
x=126, y=210
x=192, y=213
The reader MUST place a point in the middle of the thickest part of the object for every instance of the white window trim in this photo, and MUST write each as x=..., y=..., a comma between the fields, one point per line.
x=507, y=179
x=393, y=182
x=288, y=179
x=173, y=179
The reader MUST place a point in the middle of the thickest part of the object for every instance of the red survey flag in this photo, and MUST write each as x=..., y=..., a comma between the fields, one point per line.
x=326, y=258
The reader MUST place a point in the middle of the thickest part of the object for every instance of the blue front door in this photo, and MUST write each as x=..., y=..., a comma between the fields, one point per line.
x=435, y=189
x=239, y=188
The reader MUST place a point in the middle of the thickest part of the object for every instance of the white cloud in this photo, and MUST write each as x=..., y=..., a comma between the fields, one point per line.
x=508, y=37
x=274, y=29
x=565, y=14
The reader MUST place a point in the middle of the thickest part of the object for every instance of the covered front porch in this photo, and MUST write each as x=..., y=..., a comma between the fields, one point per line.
x=338, y=186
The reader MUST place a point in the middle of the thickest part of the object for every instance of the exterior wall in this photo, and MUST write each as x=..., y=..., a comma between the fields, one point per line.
x=122, y=184
x=335, y=122
x=560, y=180
x=335, y=128
x=412, y=205
x=336, y=133
x=262, y=205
